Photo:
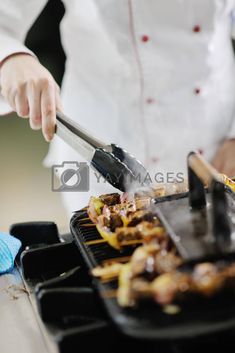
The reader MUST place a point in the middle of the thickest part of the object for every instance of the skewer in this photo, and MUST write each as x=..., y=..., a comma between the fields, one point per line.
x=110, y=279
x=116, y=259
x=85, y=219
x=207, y=173
x=112, y=293
x=125, y=243
x=96, y=241
x=88, y=225
x=132, y=242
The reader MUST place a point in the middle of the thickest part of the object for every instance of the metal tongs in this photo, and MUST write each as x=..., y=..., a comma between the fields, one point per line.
x=117, y=166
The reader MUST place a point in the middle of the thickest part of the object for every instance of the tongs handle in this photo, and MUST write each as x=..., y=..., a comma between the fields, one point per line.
x=205, y=171
x=201, y=173
x=79, y=131
x=77, y=137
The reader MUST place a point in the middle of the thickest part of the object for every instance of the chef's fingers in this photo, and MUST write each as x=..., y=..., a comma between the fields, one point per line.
x=9, y=94
x=34, y=99
x=11, y=99
x=48, y=109
x=59, y=106
x=21, y=101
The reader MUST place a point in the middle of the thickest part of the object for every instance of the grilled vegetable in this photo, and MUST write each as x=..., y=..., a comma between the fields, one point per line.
x=109, y=236
x=94, y=208
x=124, y=294
x=96, y=204
x=108, y=272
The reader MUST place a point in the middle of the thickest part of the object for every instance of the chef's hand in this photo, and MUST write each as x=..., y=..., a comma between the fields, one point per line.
x=31, y=91
x=224, y=160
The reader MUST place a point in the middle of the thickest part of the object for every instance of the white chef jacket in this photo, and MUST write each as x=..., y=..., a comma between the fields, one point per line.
x=155, y=76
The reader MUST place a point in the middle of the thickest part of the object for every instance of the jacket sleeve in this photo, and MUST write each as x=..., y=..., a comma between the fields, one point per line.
x=16, y=18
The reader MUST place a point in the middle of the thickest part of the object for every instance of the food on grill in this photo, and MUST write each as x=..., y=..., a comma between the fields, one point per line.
x=154, y=269
x=126, y=214
x=137, y=200
x=144, y=231
x=126, y=223
x=162, y=190
x=96, y=204
x=206, y=279
x=136, y=277
x=130, y=235
x=148, y=260
x=107, y=272
x=229, y=182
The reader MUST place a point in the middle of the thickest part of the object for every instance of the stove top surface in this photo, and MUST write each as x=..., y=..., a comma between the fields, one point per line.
x=69, y=306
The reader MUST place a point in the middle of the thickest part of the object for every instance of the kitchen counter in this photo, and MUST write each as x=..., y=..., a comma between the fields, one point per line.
x=21, y=330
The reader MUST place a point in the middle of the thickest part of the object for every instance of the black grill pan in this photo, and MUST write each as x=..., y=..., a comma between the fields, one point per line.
x=198, y=317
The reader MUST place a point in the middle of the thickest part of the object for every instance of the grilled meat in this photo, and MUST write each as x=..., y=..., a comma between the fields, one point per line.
x=96, y=204
x=114, y=219
x=136, y=201
x=169, y=283
x=130, y=223
x=110, y=199
x=112, y=222
x=207, y=278
x=150, y=261
x=145, y=231
x=166, y=261
x=168, y=286
x=142, y=215
x=153, y=270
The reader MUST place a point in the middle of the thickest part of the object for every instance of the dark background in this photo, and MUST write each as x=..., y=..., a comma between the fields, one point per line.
x=44, y=39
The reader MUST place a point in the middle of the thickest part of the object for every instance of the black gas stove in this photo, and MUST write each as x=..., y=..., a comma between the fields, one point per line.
x=70, y=307
x=72, y=304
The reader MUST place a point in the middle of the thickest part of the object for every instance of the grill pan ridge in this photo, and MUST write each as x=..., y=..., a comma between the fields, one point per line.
x=198, y=316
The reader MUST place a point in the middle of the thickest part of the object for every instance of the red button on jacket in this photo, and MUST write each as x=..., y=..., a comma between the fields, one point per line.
x=145, y=38
x=150, y=100
x=197, y=91
x=200, y=150
x=196, y=29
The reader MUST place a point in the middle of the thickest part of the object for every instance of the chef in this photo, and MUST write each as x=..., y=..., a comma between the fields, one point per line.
x=155, y=76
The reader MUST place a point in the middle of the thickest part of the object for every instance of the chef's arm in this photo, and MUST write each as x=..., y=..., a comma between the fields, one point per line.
x=224, y=159
x=26, y=86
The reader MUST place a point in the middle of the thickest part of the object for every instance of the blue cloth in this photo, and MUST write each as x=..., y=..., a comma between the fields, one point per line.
x=9, y=247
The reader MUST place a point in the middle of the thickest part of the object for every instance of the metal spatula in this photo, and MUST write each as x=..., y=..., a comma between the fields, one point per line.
x=117, y=166
x=200, y=225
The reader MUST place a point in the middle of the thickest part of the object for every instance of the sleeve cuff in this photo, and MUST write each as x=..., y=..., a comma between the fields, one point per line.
x=10, y=47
